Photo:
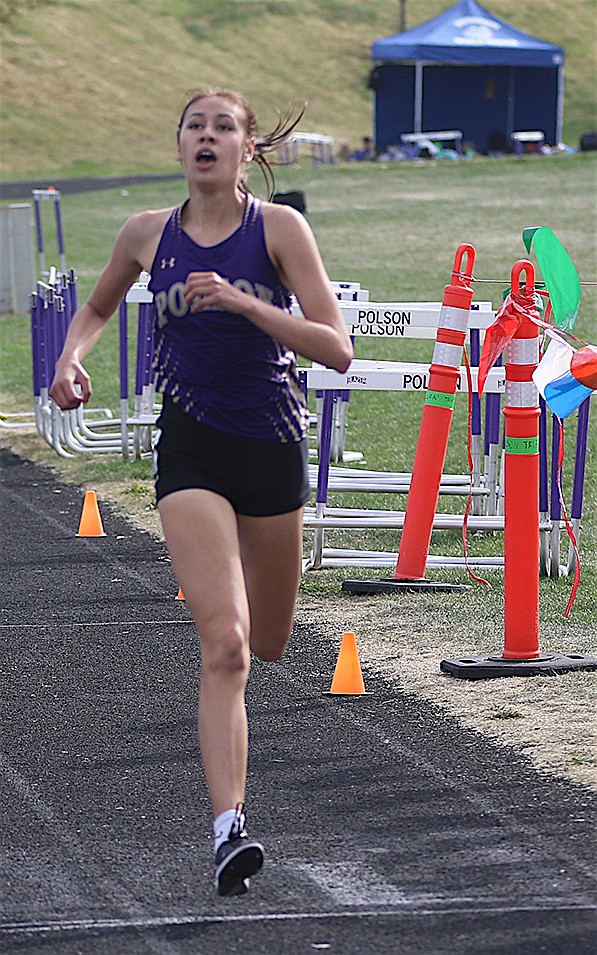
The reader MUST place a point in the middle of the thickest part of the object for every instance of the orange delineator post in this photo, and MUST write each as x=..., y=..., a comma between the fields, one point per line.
x=521, y=478
x=521, y=655
x=436, y=420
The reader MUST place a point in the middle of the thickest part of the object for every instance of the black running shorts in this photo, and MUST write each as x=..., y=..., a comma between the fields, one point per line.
x=259, y=478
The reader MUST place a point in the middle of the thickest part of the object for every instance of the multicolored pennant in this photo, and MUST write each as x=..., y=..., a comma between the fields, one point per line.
x=566, y=377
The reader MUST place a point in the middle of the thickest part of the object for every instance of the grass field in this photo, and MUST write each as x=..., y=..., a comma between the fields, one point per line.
x=395, y=229
x=94, y=88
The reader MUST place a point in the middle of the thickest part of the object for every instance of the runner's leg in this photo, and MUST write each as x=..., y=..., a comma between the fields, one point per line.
x=202, y=538
x=271, y=552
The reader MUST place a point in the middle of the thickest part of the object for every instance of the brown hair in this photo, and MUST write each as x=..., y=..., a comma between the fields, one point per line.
x=265, y=144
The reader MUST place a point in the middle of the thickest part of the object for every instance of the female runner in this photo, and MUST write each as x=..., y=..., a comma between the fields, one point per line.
x=231, y=448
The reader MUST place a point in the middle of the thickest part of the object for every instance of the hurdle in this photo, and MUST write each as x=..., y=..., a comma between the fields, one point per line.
x=386, y=376
x=398, y=321
x=321, y=148
x=522, y=139
x=416, y=142
x=415, y=320
x=409, y=319
x=53, y=303
x=52, y=306
x=75, y=432
x=145, y=410
x=40, y=196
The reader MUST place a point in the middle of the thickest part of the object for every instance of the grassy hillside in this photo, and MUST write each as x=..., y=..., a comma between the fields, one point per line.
x=96, y=87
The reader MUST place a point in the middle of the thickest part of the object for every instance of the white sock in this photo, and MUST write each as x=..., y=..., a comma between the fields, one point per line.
x=222, y=824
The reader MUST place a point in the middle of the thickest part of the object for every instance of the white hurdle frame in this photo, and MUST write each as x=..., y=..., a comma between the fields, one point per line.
x=364, y=375
x=399, y=320
x=145, y=412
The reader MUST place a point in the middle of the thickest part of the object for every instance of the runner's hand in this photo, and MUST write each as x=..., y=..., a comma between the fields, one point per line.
x=208, y=289
x=71, y=385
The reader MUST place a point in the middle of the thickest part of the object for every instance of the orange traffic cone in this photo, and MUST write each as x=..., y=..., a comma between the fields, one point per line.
x=348, y=678
x=91, y=521
x=180, y=595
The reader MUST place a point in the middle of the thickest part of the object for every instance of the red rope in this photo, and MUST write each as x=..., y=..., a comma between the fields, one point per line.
x=516, y=306
x=567, y=523
x=469, y=501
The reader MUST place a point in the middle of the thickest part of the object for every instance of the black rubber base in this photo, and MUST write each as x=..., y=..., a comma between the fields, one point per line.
x=390, y=585
x=485, y=668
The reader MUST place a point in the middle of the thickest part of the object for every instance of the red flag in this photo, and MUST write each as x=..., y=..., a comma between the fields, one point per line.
x=505, y=326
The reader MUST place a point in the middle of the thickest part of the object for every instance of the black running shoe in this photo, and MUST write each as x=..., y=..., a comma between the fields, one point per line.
x=237, y=858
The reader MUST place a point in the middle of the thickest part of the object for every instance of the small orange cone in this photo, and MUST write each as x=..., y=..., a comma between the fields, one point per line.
x=348, y=678
x=91, y=521
x=180, y=595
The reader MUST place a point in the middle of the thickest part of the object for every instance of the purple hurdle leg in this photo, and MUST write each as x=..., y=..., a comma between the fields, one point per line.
x=124, y=377
x=475, y=349
x=578, y=487
x=59, y=231
x=555, y=510
x=323, y=472
x=39, y=232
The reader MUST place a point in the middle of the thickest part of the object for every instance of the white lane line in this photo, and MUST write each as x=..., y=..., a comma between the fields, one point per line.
x=488, y=802
x=445, y=907
x=95, y=623
x=356, y=884
x=68, y=847
x=91, y=543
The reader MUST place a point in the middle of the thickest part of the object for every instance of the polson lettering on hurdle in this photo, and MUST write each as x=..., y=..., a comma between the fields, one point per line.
x=395, y=320
x=400, y=320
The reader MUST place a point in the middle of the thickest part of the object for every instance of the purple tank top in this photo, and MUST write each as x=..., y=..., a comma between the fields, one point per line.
x=216, y=365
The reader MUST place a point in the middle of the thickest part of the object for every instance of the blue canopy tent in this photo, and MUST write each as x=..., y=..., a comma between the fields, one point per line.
x=468, y=70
